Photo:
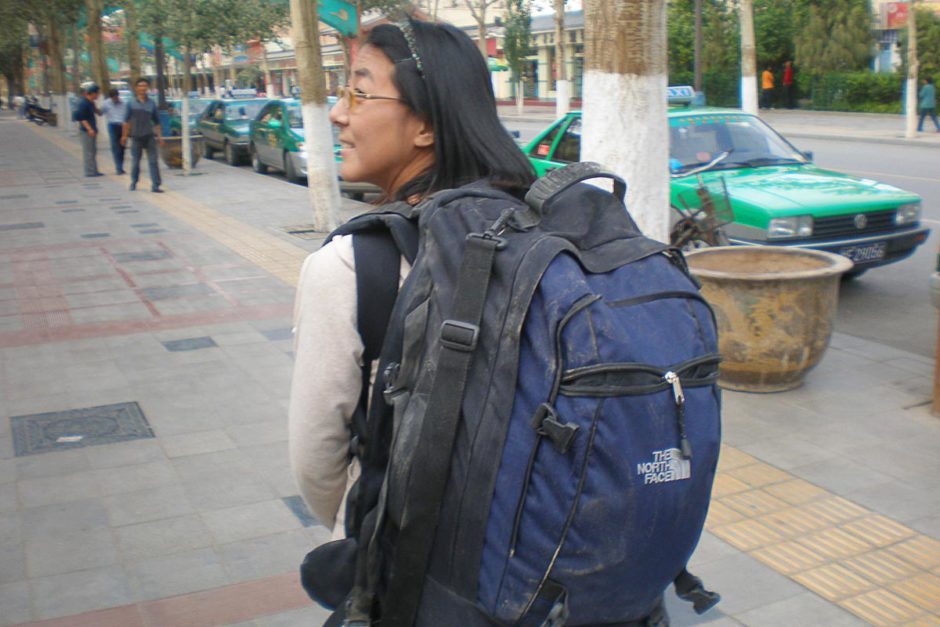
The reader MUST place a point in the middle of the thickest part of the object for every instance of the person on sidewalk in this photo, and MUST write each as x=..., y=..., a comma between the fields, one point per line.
x=115, y=111
x=767, y=88
x=142, y=124
x=927, y=103
x=404, y=125
x=788, y=95
x=86, y=116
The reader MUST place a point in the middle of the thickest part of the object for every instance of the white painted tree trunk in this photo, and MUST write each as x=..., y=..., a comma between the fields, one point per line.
x=625, y=126
x=322, y=185
x=910, y=101
x=562, y=86
x=520, y=97
x=748, y=58
x=186, y=143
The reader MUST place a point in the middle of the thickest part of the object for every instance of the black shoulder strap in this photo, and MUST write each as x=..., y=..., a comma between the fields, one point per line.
x=377, y=270
x=433, y=450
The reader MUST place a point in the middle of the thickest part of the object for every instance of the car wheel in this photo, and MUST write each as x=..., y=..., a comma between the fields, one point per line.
x=259, y=167
x=289, y=170
x=207, y=150
x=230, y=155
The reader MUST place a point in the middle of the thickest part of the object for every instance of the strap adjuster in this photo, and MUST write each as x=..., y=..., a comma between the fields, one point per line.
x=461, y=336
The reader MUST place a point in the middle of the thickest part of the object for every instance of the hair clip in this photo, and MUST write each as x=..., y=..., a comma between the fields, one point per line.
x=408, y=32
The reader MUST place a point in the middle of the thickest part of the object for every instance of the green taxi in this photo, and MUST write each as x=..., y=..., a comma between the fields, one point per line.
x=276, y=140
x=777, y=195
x=224, y=126
x=174, y=109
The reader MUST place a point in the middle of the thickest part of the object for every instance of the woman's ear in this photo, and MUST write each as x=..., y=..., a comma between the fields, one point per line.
x=424, y=138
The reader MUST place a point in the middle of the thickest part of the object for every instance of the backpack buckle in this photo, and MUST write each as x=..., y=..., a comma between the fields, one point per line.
x=460, y=336
x=548, y=424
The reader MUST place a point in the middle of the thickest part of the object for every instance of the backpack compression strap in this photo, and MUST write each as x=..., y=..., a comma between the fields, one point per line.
x=438, y=431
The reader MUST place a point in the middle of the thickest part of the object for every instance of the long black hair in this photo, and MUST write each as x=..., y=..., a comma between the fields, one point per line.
x=443, y=78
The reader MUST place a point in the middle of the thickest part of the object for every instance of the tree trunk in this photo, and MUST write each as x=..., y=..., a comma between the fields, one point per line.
x=520, y=97
x=562, y=86
x=132, y=35
x=266, y=70
x=910, y=101
x=318, y=143
x=187, y=142
x=748, y=58
x=99, y=63
x=160, y=60
x=698, y=46
x=625, y=82
x=481, y=29
x=59, y=95
x=76, y=55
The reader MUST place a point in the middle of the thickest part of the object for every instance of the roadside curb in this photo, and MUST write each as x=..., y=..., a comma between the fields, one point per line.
x=896, y=141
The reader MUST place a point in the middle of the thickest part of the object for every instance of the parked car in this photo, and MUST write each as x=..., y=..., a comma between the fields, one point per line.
x=174, y=109
x=777, y=194
x=225, y=125
x=276, y=140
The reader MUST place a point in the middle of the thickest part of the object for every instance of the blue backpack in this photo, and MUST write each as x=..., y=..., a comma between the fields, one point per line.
x=545, y=427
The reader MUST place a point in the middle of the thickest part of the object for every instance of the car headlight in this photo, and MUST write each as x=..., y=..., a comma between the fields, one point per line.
x=794, y=226
x=907, y=214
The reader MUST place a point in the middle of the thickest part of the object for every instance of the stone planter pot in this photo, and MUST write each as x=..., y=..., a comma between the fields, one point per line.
x=775, y=308
x=171, y=151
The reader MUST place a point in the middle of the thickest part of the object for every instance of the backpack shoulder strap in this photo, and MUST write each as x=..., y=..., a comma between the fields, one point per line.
x=377, y=270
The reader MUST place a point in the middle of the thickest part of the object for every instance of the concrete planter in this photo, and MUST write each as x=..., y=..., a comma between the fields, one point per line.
x=172, y=151
x=775, y=308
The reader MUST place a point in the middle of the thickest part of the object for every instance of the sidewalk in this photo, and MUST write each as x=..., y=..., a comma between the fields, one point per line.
x=795, y=123
x=157, y=327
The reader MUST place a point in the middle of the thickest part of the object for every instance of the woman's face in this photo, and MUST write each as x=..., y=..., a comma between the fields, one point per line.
x=383, y=141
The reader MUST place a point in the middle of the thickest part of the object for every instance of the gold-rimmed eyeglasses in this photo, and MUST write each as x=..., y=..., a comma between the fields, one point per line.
x=352, y=95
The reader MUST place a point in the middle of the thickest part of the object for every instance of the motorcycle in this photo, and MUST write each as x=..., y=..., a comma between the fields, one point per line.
x=39, y=114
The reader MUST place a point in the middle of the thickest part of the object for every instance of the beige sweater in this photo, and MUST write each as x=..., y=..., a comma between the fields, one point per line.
x=327, y=379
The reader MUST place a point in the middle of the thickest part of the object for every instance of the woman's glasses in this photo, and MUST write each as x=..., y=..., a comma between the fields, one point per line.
x=352, y=95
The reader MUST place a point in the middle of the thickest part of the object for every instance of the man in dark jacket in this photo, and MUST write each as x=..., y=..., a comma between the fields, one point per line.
x=86, y=116
x=143, y=126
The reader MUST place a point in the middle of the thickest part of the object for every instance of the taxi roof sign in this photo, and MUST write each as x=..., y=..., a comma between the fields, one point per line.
x=680, y=94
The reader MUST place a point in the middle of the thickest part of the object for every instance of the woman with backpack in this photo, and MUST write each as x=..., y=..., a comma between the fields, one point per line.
x=418, y=116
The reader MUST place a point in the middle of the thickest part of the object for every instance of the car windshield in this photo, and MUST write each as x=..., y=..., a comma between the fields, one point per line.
x=697, y=140
x=243, y=110
x=294, y=117
x=197, y=106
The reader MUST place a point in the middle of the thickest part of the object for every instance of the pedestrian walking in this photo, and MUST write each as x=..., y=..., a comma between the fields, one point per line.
x=927, y=103
x=767, y=88
x=115, y=111
x=86, y=116
x=142, y=125
x=788, y=87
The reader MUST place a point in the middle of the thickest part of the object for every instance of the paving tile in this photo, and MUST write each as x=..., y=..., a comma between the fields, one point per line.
x=882, y=607
x=63, y=462
x=840, y=476
x=16, y=601
x=60, y=518
x=70, y=551
x=788, y=558
x=746, y=584
x=135, y=478
x=310, y=615
x=197, y=443
x=130, y=508
x=162, y=537
x=58, y=489
x=921, y=551
x=232, y=462
x=179, y=573
x=189, y=344
x=922, y=590
x=250, y=521
x=261, y=432
x=72, y=593
x=802, y=609
x=787, y=452
x=13, y=559
x=124, y=453
x=265, y=556
x=223, y=490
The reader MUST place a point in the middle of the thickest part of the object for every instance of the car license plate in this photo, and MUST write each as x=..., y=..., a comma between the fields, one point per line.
x=866, y=252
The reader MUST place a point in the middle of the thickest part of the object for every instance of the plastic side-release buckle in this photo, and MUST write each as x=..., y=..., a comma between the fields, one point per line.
x=546, y=422
x=460, y=336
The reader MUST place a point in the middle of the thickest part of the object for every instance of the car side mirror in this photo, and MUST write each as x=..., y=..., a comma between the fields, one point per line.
x=274, y=124
x=808, y=154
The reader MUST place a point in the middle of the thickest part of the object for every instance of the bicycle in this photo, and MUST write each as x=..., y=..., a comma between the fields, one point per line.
x=701, y=218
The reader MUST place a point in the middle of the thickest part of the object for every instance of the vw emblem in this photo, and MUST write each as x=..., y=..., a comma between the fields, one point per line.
x=861, y=221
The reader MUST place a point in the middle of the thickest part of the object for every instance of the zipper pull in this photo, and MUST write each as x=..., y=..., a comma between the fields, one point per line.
x=673, y=379
x=685, y=447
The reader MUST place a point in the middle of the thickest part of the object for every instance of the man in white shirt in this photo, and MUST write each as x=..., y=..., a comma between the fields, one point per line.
x=115, y=110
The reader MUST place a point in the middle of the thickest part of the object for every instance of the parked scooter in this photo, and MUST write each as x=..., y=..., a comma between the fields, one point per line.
x=39, y=114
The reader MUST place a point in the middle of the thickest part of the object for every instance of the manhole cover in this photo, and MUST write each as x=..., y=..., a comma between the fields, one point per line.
x=77, y=428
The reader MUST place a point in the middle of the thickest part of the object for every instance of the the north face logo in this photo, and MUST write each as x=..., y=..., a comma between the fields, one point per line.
x=667, y=465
